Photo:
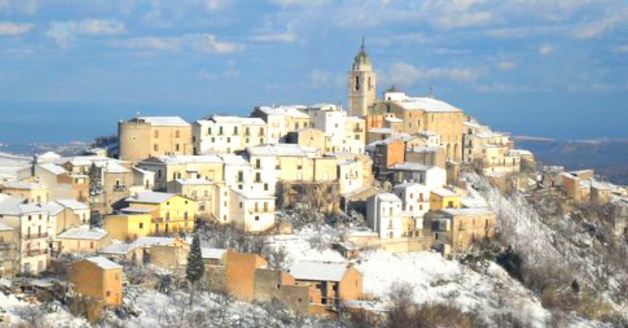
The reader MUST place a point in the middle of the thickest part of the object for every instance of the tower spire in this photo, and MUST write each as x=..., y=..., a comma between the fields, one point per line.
x=363, y=47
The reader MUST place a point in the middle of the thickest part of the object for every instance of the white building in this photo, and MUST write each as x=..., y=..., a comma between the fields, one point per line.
x=252, y=212
x=383, y=215
x=280, y=120
x=430, y=176
x=227, y=134
x=343, y=134
x=415, y=197
x=350, y=175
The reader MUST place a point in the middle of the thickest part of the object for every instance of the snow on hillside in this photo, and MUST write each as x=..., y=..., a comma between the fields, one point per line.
x=436, y=280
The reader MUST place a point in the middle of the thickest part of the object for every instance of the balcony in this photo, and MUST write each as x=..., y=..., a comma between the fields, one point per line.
x=358, y=130
x=36, y=252
x=37, y=236
x=118, y=188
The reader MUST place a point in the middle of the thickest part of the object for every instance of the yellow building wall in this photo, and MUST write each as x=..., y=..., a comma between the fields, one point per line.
x=91, y=280
x=128, y=227
x=438, y=202
x=175, y=210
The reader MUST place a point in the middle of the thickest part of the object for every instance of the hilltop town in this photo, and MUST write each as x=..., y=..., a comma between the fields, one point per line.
x=401, y=211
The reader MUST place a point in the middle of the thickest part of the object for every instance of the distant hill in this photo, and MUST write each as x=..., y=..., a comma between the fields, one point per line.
x=609, y=157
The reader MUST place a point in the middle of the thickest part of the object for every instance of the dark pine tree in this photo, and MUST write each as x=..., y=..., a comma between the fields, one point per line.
x=196, y=268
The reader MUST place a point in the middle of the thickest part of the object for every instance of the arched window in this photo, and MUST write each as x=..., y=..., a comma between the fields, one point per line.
x=357, y=83
x=370, y=84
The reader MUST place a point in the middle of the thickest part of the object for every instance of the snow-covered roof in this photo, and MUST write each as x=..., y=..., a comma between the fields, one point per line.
x=408, y=166
x=18, y=206
x=289, y=111
x=49, y=155
x=53, y=168
x=422, y=149
x=15, y=184
x=467, y=211
x=251, y=195
x=184, y=159
x=388, y=197
x=393, y=120
x=83, y=232
x=72, y=204
x=193, y=182
x=54, y=208
x=104, y=263
x=288, y=150
x=136, y=210
x=380, y=131
x=151, y=197
x=427, y=104
x=213, y=253
x=4, y=227
x=318, y=271
x=410, y=184
x=163, y=120
x=444, y=192
x=142, y=171
x=232, y=159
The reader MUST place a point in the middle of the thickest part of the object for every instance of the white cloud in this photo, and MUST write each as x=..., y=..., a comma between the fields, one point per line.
x=407, y=74
x=506, y=65
x=463, y=19
x=207, y=43
x=287, y=3
x=13, y=29
x=503, y=88
x=285, y=37
x=546, y=50
x=65, y=32
x=622, y=49
x=598, y=28
x=322, y=79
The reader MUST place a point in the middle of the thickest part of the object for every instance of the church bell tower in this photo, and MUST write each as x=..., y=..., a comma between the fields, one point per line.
x=362, y=84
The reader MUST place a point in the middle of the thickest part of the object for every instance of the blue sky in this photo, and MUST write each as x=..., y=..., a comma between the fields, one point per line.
x=71, y=69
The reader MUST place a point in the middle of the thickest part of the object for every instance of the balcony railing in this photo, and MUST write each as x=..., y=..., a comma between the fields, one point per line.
x=37, y=235
x=35, y=252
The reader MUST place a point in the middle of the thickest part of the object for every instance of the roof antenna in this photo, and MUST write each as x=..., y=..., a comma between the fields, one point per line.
x=431, y=94
x=137, y=114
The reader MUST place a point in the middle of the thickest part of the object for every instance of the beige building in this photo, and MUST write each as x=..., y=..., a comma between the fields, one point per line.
x=281, y=120
x=61, y=183
x=70, y=214
x=462, y=228
x=82, y=239
x=168, y=169
x=30, y=223
x=252, y=212
x=33, y=192
x=149, y=136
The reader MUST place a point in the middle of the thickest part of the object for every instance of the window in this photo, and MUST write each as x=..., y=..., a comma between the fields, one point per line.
x=156, y=133
x=357, y=83
x=240, y=176
x=240, y=204
x=258, y=163
x=450, y=204
x=265, y=207
x=209, y=131
x=220, y=131
x=91, y=245
x=141, y=225
x=177, y=134
x=258, y=177
x=116, y=276
x=108, y=293
x=156, y=147
x=177, y=147
x=266, y=187
x=235, y=130
x=228, y=139
x=256, y=218
x=247, y=131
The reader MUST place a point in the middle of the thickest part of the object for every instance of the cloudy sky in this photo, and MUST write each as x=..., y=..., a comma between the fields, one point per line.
x=543, y=67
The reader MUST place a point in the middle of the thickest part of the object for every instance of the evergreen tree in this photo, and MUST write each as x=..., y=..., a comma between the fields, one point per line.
x=196, y=268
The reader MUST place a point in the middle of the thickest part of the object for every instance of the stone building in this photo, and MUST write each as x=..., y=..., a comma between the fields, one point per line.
x=149, y=136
